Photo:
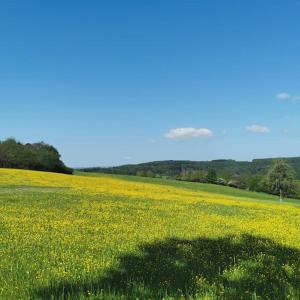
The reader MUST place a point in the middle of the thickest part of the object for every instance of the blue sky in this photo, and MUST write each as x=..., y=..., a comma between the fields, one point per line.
x=114, y=82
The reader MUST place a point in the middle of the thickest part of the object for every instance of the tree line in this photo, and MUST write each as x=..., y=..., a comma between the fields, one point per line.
x=280, y=180
x=37, y=156
x=225, y=168
x=257, y=175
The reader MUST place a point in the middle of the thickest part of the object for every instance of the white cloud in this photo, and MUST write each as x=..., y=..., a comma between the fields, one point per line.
x=287, y=97
x=284, y=96
x=257, y=128
x=188, y=133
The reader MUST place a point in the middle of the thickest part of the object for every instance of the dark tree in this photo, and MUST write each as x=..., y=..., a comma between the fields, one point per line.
x=38, y=156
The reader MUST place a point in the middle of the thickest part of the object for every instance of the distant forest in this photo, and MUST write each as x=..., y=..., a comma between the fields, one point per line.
x=249, y=175
x=36, y=156
x=179, y=168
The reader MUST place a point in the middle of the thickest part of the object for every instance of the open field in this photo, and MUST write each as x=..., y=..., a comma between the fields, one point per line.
x=203, y=187
x=114, y=237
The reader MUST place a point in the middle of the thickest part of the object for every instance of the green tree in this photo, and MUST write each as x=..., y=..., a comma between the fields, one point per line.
x=141, y=173
x=211, y=176
x=225, y=175
x=255, y=183
x=38, y=156
x=280, y=179
x=149, y=173
x=199, y=176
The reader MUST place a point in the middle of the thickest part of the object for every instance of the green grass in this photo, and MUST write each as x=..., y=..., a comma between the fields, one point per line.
x=81, y=237
x=204, y=187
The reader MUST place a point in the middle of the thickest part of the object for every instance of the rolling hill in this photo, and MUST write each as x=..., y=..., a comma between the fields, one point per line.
x=103, y=236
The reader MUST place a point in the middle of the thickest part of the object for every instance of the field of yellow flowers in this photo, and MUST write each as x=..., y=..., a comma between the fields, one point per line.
x=81, y=237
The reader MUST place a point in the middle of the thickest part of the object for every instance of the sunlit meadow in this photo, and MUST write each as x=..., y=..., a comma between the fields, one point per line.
x=78, y=237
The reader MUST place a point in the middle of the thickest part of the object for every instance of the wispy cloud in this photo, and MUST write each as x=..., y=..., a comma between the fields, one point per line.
x=287, y=96
x=188, y=133
x=258, y=129
x=283, y=96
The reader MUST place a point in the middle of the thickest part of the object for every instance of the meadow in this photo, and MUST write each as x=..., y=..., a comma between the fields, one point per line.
x=120, y=237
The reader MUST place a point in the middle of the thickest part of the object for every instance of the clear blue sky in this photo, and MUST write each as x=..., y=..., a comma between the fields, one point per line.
x=114, y=82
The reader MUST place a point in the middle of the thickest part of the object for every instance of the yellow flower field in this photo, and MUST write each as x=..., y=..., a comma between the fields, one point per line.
x=75, y=237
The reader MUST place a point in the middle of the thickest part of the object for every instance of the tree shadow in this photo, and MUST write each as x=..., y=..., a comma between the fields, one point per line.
x=232, y=267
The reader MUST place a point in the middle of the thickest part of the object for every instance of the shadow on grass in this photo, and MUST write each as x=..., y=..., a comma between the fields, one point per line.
x=244, y=267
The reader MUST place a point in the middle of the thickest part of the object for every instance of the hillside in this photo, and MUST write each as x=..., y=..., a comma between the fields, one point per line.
x=123, y=237
x=173, y=168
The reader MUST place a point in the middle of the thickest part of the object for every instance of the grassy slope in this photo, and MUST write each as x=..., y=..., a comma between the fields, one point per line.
x=78, y=237
x=201, y=187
